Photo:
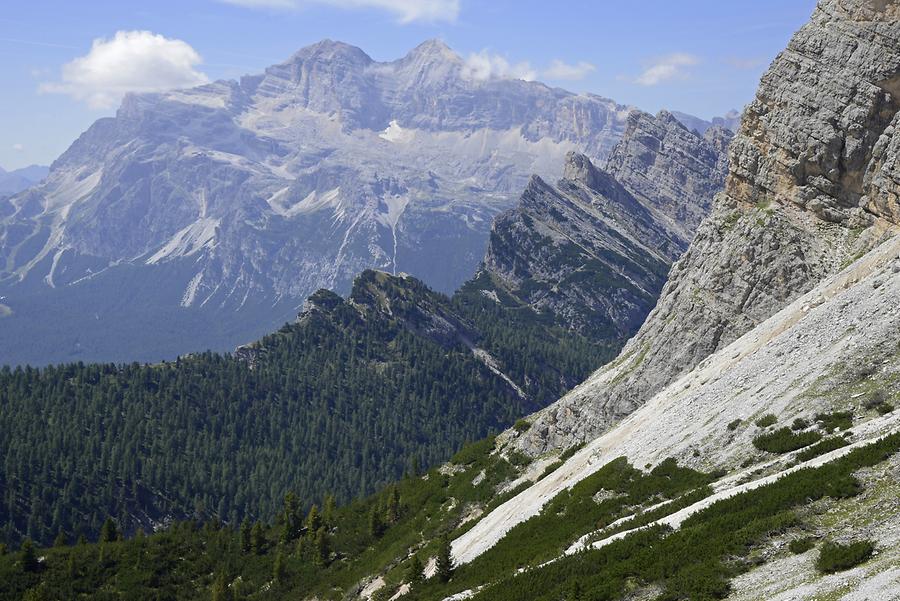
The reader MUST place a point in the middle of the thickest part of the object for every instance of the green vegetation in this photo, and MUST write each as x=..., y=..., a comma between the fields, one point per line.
x=199, y=561
x=836, y=420
x=834, y=557
x=766, y=420
x=568, y=453
x=820, y=448
x=696, y=561
x=799, y=424
x=801, y=545
x=784, y=440
x=521, y=425
x=342, y=402
x=733, y=425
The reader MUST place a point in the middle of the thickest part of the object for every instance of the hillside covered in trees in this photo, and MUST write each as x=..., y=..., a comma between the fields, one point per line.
x=350, y=397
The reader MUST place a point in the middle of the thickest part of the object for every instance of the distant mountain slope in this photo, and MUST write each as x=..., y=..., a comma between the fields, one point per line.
x=17, y=180
x=236, y=200
x=594, y=251
x=730, y=121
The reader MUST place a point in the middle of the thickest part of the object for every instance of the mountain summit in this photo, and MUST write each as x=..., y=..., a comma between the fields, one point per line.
x=203, y=217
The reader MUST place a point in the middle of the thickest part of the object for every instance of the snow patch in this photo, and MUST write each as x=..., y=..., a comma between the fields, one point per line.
x=396, y=134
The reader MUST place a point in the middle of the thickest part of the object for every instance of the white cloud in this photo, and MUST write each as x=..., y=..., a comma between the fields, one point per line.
x=406, y=11
x=558, y=70
x=18, y=147
x=132, y=61
x=484, y=65
x=667, y=68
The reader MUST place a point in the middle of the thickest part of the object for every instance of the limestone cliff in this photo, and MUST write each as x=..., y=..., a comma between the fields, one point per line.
x=813, y=183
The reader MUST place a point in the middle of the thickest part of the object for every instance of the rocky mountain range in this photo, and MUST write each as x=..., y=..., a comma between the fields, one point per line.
x=781, y=311
x=203, y=217
x=594, y=251
x=796, y=208
x=17, y=180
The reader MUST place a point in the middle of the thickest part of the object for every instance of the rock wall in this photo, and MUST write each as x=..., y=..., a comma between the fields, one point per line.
x=813, y=183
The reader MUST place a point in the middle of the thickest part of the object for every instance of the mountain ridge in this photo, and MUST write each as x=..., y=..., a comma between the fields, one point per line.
x=234, y=196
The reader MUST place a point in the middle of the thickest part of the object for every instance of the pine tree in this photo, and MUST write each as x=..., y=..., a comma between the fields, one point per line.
x=29, y=557
x=415, y=572
x=60, y=540
x=376, y=524
x=245, y=536
x=392, y=513
x=322, y=546
x=328, y=513
x=313, y=521
x=108, y=532
x=220, y=590
x=444, y=560
x=257, y=539
x=291, y=527
x=279, y=571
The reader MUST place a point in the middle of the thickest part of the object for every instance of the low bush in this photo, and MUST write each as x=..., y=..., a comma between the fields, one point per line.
x=571, y=451
x=836, y=420
x=823, y=446
x=521, y=425
x=835, y=557
x=884, y=408
x=473, y=451
x=800, y=424
x=784, y=440
x=767, y=420
x=802, y=545
x=733, y=425
x=551, y=468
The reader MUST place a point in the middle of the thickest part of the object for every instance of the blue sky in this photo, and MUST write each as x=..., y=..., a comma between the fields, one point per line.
x=699, y=56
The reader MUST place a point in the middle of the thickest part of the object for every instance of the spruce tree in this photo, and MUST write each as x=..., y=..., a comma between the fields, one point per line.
x=257, y=539
x=279, y=571
x=60, y=540
x=108, y=532
x=323, y=548
x=392, y=513
x=29, y=557
x=220, y=590
x=245, y=536
x=313, y=521
x=328, y=512
x=415, y=572
x=444, y=560
x=376, y=524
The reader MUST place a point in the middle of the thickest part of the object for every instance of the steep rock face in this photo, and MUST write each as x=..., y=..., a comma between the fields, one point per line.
x=237, y=197
x=812, y=184
x=585, y=252
x=671, y=170
x=594, y=251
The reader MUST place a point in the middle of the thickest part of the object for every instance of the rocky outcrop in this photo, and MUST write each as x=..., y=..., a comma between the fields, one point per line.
x=593, y=252
x=672, y=171
x=812, y=184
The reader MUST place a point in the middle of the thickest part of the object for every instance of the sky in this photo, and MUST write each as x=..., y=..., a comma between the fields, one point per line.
x=66, y=64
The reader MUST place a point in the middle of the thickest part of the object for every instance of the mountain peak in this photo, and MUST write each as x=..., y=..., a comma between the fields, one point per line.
x=435, y=48
x=330, y=50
